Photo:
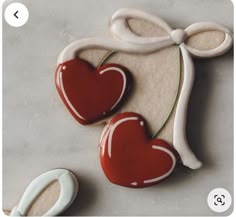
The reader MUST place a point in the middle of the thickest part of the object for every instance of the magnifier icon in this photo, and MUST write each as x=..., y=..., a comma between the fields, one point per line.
x=219, y=200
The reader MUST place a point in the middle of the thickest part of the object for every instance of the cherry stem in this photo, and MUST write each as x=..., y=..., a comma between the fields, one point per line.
x=111, y=53
x=106, y=58
x=176, y=97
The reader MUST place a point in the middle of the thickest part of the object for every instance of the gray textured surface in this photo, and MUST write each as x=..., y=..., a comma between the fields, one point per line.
x=39, y=134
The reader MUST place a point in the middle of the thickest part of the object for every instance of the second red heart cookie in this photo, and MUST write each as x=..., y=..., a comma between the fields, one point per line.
x=129, y=157
x=91, y=94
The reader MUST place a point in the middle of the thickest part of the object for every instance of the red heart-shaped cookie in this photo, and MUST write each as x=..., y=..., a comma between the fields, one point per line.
x=129, y=157
x=91, y=94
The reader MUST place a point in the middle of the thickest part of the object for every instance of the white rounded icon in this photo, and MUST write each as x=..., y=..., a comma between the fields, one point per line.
x=16, y=14
x=219, y=200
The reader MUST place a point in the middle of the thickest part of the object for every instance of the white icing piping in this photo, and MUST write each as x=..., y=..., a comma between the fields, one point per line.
x=179, y=138
x=121, y=26
x=205, y=26
x=68, y=191
x=67, y=99
x=113, y=129
x=103, y=138
x=124, y=82
x=197, y=28
x=126, y=13
x=167, y=151
x=71, y=50
x=129, y=42
x=226, y=44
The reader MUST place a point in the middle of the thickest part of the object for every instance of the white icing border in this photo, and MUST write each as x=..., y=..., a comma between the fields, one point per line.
x=68, y=190
x=71, y=50
x=179, y=138
x=129, y=42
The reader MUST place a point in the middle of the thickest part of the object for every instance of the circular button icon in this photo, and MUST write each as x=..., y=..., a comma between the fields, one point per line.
x=16, y=14
x=219, y=200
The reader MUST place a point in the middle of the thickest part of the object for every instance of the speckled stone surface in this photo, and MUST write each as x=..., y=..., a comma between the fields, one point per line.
x=39, y=134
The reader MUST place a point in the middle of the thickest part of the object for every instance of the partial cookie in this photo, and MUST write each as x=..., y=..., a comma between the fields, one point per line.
x=48, y=195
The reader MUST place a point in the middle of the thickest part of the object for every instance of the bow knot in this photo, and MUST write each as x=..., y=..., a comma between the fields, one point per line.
x=178, y=36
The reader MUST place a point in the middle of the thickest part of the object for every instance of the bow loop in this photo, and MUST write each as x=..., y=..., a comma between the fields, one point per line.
x=204, y=39
x=121, y=30
x=207, y=39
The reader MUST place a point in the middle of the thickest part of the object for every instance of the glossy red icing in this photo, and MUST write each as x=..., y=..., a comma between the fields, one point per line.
x=91, y=94
x=129, y=157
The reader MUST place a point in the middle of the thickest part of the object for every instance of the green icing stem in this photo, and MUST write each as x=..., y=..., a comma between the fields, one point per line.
x=111, y=53
x=106, y=57
x=176, y=97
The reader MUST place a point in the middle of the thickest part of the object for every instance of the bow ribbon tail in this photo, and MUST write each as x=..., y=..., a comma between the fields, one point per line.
x=179, y=137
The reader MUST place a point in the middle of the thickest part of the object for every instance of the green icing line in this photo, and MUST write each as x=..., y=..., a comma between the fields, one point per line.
x=106, y=57
x=176, y=97
x=111, y=53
